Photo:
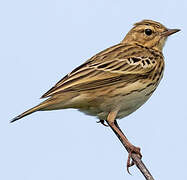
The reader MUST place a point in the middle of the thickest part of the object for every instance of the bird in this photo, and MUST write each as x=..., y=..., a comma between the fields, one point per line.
x=115, y=82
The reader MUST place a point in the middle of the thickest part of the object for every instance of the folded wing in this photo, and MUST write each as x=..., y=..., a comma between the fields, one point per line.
x=118, y=63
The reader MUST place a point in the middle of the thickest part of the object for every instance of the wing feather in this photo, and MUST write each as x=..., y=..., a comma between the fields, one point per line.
x=106, y=68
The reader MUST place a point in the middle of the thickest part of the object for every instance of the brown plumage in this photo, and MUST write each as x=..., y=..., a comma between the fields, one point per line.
x=115, y=82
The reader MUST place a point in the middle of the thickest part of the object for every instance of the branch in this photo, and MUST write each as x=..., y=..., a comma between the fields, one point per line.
x=141, y=166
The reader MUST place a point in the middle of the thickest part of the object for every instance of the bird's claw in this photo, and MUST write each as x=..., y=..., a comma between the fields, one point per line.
x=102, y=122
x=130, y=162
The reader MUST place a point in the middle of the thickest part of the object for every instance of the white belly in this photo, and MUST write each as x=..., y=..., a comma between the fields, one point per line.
x=125, y=103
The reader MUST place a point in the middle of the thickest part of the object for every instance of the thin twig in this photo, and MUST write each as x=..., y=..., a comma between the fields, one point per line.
x=141, y=166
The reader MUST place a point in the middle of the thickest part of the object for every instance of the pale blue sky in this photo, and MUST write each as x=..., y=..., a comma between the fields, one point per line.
x=37, y=39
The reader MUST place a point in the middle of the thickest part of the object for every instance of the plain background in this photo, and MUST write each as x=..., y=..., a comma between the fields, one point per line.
x=43, y=40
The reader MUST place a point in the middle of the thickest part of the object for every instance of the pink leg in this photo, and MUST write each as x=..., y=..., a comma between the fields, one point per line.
x=111, y=120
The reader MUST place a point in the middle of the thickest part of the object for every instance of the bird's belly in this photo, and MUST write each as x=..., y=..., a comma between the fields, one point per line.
x=131, y=103
x=126, y=103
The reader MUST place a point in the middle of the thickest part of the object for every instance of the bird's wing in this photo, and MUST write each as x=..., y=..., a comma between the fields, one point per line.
x=106, y=68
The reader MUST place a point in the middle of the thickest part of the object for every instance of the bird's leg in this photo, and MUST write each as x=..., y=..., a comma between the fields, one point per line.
x=102, y=122
x=111, y=120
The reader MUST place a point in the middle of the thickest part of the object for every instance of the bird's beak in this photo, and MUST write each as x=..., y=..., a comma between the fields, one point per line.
x=169, y=32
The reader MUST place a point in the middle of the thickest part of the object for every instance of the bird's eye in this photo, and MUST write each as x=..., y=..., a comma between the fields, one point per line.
x=148, y=32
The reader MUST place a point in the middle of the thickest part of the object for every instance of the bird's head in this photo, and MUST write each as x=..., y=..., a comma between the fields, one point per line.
x=150, y=34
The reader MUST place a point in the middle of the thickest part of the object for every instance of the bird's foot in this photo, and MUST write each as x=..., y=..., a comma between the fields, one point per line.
x=102, y=122
x=132, y=149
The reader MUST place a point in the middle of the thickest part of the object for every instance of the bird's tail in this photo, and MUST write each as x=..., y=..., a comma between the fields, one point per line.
x=53, y=103
x=30, y=111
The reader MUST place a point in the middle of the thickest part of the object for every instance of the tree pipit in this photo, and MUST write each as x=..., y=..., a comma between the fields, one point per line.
x=115, y=82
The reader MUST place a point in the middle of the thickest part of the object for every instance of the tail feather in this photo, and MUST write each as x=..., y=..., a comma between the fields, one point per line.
x=56, y=102
x=30, y=111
